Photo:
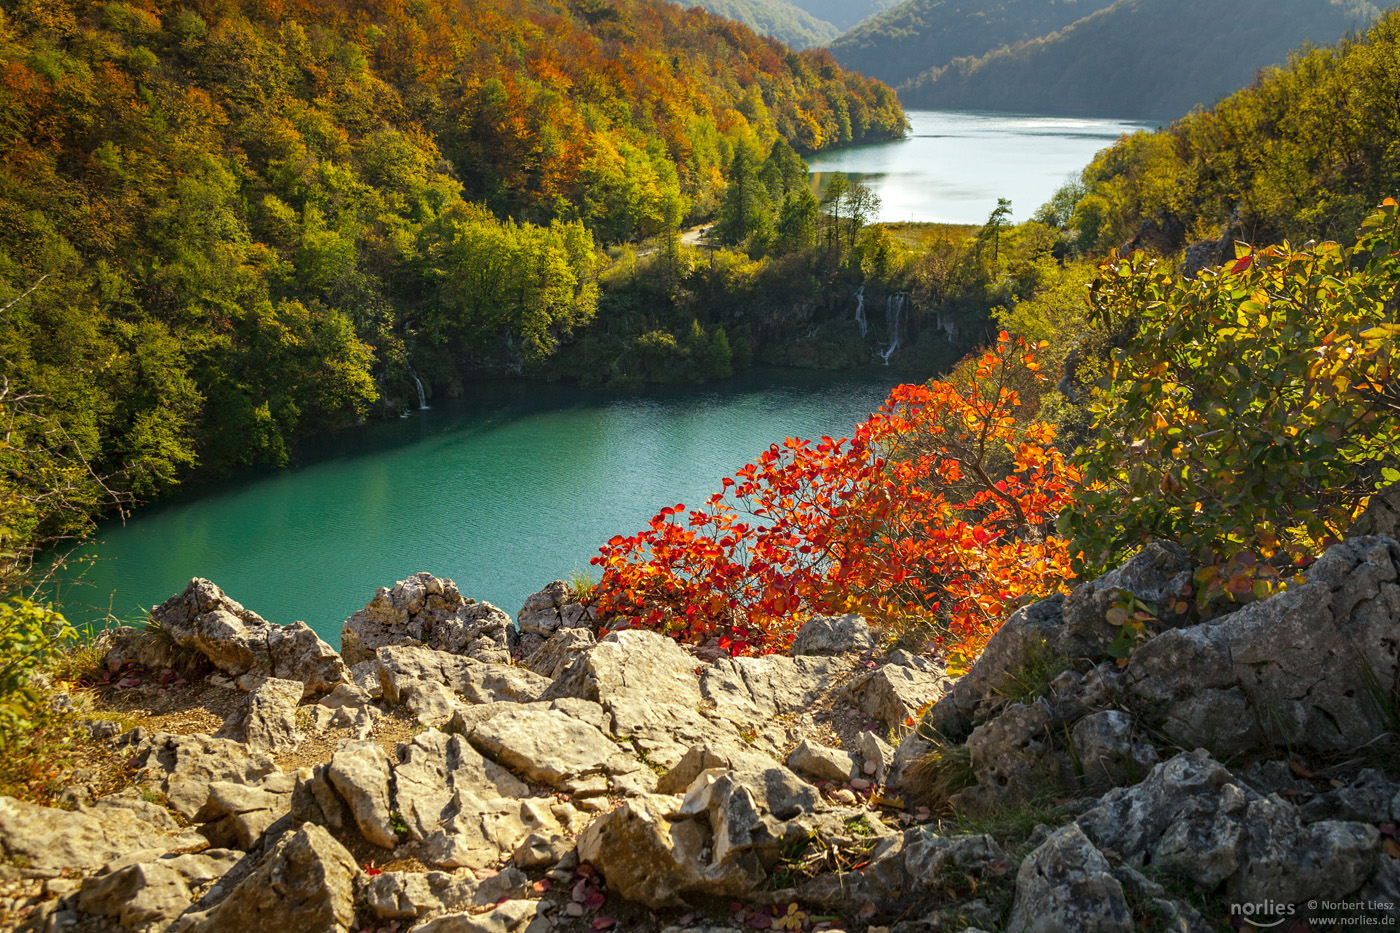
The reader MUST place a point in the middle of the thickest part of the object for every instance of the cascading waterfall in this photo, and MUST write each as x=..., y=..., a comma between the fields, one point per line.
x=860, y=312
x=422, y=399
x=895, y=312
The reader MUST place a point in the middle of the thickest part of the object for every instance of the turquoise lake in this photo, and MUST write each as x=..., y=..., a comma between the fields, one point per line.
x=517, y=485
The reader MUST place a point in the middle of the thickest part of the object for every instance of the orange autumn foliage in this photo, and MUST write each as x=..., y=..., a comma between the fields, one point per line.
x=938, y=509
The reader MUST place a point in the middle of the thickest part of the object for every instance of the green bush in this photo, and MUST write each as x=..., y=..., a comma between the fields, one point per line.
x=1250, y=410
x=34, y=732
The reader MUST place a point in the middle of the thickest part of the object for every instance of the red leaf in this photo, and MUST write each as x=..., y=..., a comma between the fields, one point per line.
x=604, y=923
x=761, y=922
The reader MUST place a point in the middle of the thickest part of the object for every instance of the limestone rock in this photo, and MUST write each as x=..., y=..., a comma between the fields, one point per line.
x=631, y=664
x=877, y=756
x=467, y=811
x=236, y=815
x=243, y=644
x=429, y=612
x=359, y=772
x=1161, y=574
x=306, y=881
x=43, y=839
x=183, y=766
x=510, y=917
x=127, y=644
x=663, y=732
x=154, y=892
x=266, y=719
x=774, y=788
x=1370, y=798
x=545, y=744
x=1382, y=516
x=649, y=855
x=432, y=684
x=749, y=691
x=551, y=609
x=1108, y=751
x=401, y=895
x=833, y=635
x=1032, y=630
x=556, y=653
x=1067, y=885
x=1192, y=818
x=1282, y=670
x=895, y=693
x=822, y=763
x=1013, y=757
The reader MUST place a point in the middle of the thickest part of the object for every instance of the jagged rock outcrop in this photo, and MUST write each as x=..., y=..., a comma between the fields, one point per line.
x=1192, y=818
x=552, y=610
x=266, y=719
x=306, y=881
x=153, y=893
x=235, y=816
x=182, y=767
x=429, y=612
x=1269, y=673
x=833, y=635
x=434, y=684
x=631, y=769
x=43, y=839
x=242, y=644
x=1381, y=517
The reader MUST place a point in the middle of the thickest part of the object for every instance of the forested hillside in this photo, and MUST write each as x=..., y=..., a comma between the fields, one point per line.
x=1305, y=153
x=1149, y=59
x=784, y=21
x=909, y=39
x=244, y=222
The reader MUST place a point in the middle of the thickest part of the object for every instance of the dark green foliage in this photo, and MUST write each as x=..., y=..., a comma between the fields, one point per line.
x=909, y=39
x=1146, y=59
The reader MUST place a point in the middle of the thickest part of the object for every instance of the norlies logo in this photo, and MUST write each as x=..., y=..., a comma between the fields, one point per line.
x=1258, y=912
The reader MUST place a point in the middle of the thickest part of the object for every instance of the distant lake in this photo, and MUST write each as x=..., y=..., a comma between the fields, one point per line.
x=955, y=164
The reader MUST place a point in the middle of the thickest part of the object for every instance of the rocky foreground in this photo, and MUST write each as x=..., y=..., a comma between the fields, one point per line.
x=449, y=771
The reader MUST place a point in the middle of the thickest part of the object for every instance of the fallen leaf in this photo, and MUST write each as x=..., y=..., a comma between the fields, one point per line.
x=761, y=922
x=541, y=886
x=1391, y=848
x=1300, y=771
x=594, y=900
x=604, y=923
x=866, y=912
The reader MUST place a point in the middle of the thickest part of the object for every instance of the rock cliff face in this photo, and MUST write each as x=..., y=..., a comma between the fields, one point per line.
x=546, y=779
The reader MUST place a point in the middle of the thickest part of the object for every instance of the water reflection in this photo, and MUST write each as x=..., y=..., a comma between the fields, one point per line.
x=954, y=165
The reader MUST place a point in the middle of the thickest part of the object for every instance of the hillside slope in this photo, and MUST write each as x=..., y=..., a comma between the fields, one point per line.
x=1305, y=153
x=1150, y=59
x=909, y=39
x=784, y=21
x=244, y=222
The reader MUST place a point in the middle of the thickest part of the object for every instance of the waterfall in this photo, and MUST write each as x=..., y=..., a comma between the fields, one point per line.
x=894, y=325
x=860, y=312
x=422, y=399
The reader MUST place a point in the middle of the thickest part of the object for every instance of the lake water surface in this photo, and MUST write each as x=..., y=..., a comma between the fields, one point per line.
x=503, y=492
x=955, y=164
